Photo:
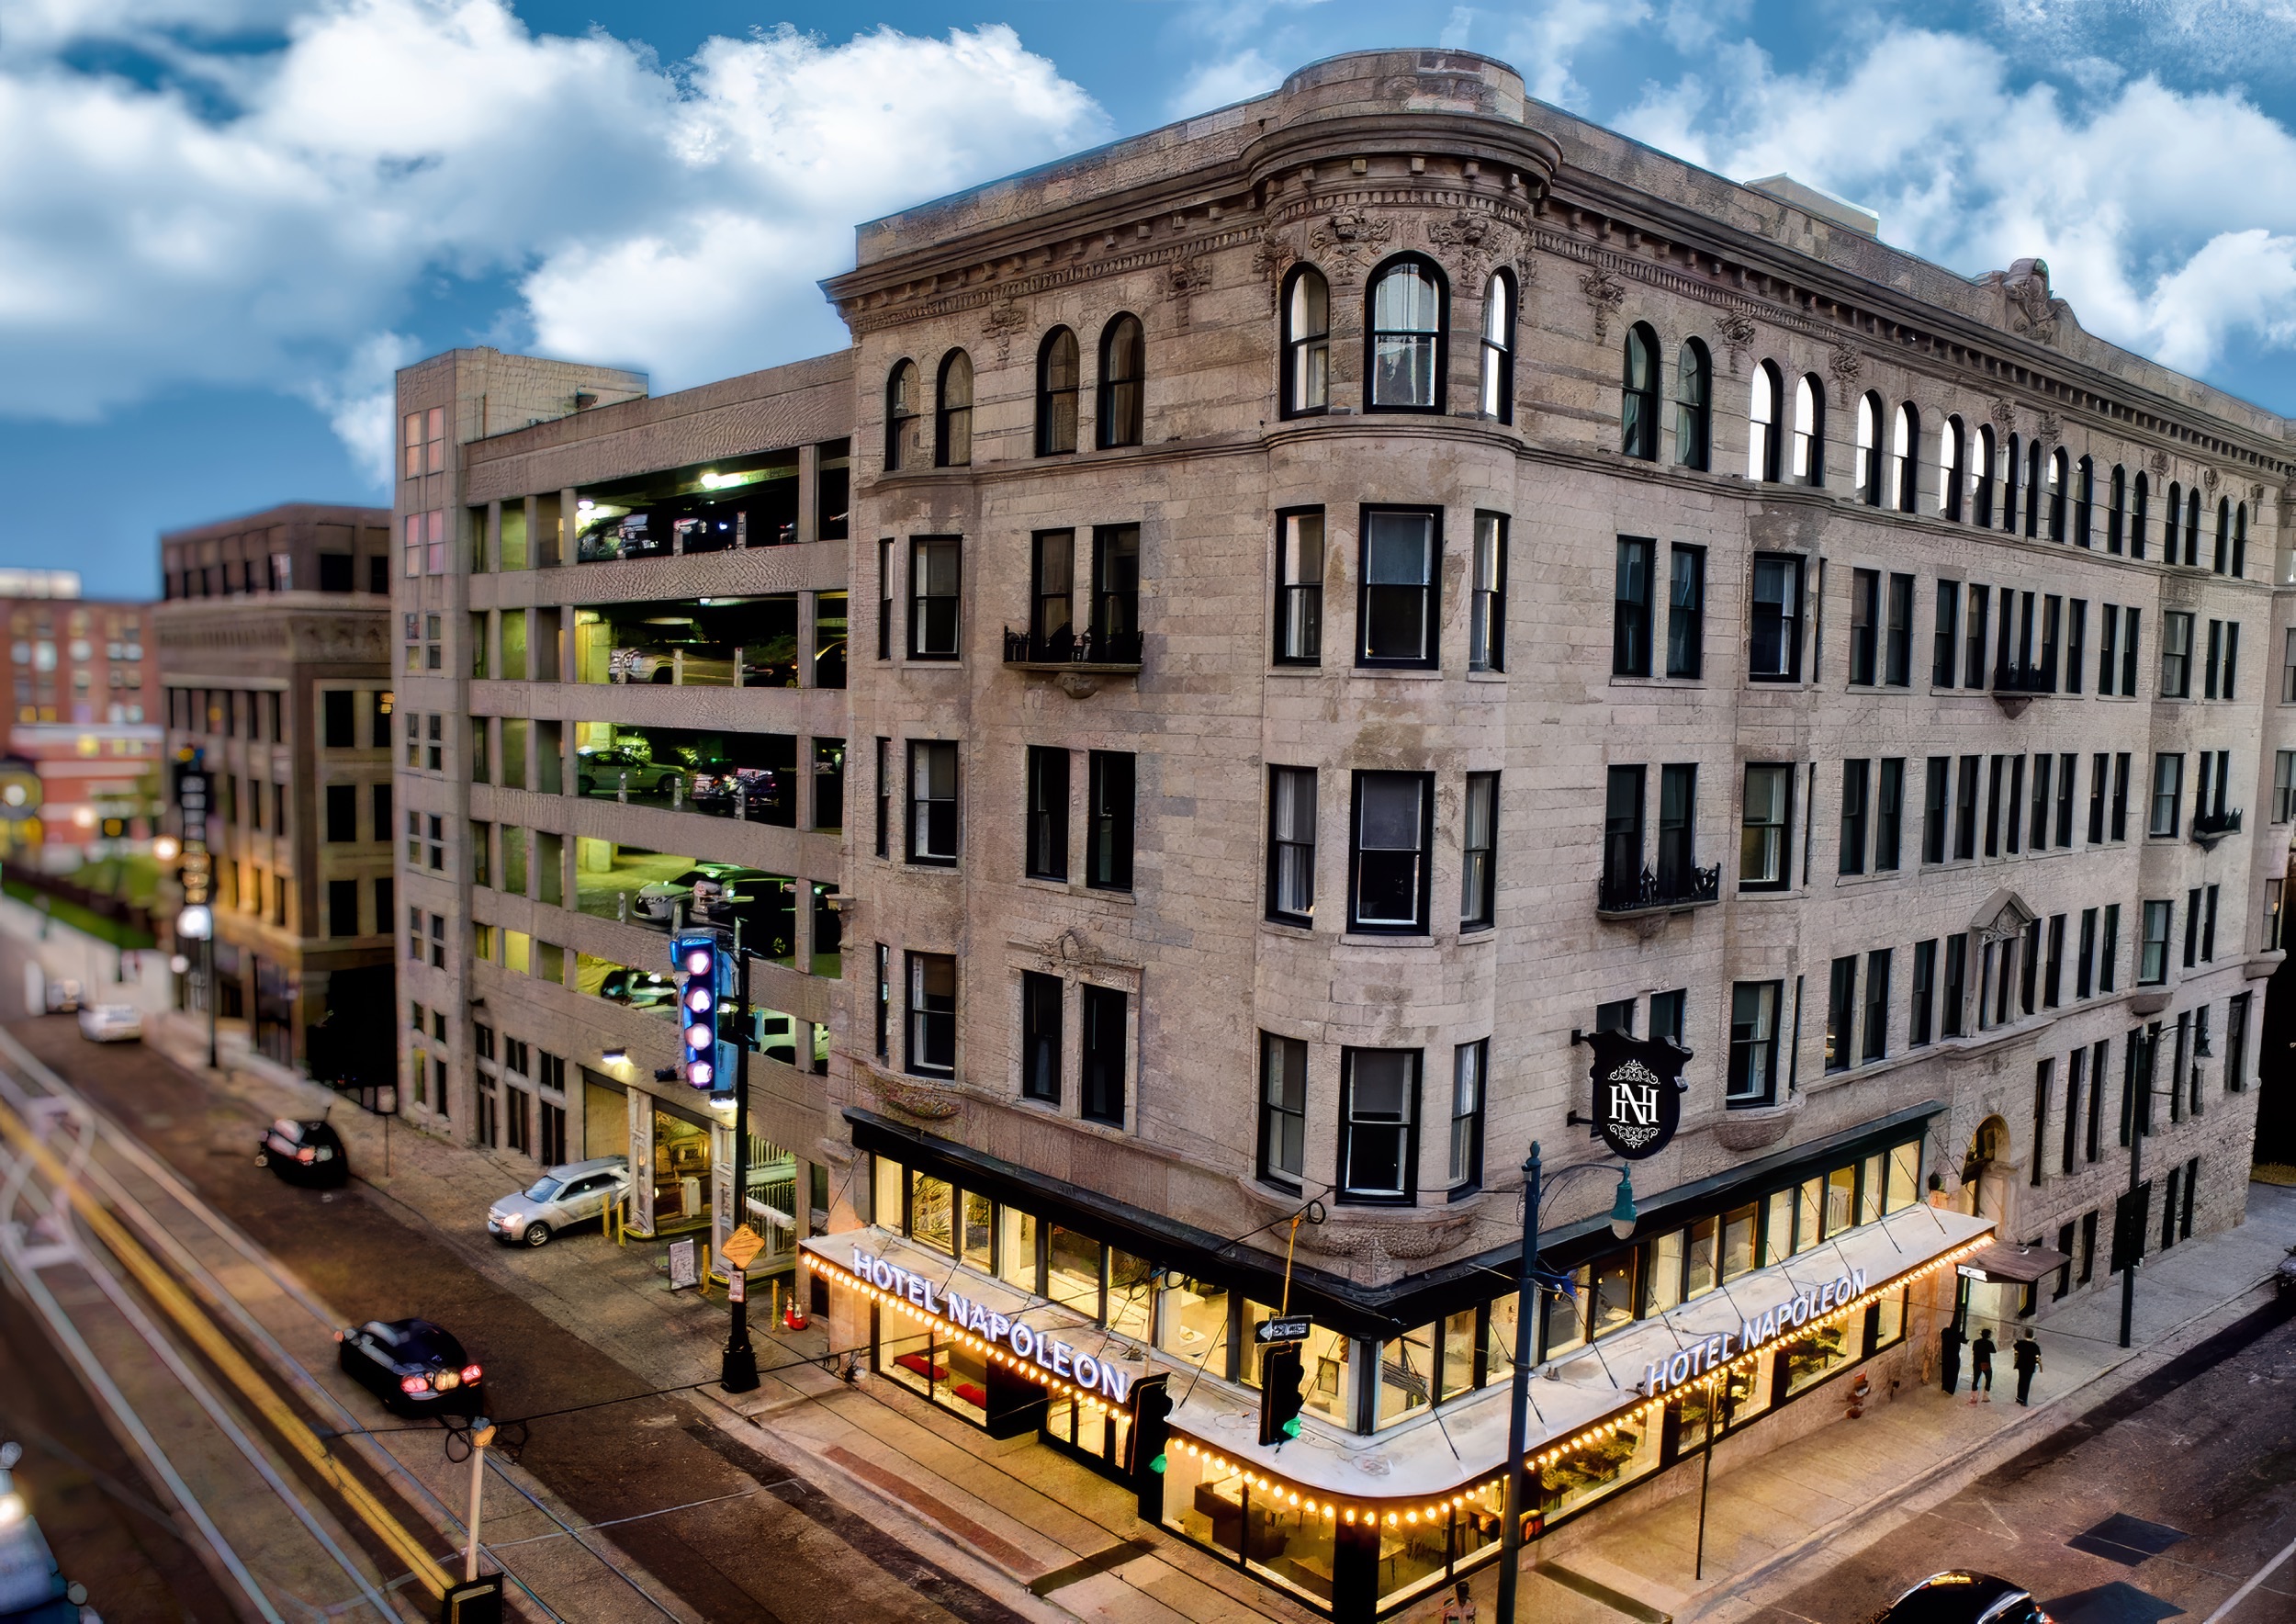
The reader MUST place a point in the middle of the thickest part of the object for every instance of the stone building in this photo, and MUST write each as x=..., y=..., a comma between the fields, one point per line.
x=274, y=649
x=1365, y=588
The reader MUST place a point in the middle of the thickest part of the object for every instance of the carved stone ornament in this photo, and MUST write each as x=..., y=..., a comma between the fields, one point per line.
x=2047, y=427
x=1350, y=237
x=1847, y=366
x=1270, y=260
x=1472, y=239
x=2032, y=311
x=2159, y=463
x=1004, y=318
x=2005, y=414
x=1390, y=1241
x=1182, y=279
x=926, y=1102
x=1737, y=332
x=1605, y=294
x=2209, y=478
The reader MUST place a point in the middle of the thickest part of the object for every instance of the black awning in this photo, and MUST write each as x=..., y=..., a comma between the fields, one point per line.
x=2017, y=1264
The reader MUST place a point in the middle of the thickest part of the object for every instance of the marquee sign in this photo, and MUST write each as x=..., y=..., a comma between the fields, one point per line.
x=1036, y=1347
x=1771, y=1324
x=1637, y=1091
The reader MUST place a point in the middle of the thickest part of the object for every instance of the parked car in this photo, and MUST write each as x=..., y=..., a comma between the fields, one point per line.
x=304, y=1153
x=641, y=989
x=701, y=664
x=574, y=1192
x=414, y=1367
x=658, y=899
x=1961, y=1596
x=111, y=1024
x=713, y=791
x=63, y=997
x=603, y=771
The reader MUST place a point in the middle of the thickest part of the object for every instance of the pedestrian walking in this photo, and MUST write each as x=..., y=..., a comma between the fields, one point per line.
x=1981, y=1365
x=1461, y=1608
x=1948, y=1341
x=2026, y=1352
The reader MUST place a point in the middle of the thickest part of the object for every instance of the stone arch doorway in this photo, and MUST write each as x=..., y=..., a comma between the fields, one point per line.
x=1988, y=1172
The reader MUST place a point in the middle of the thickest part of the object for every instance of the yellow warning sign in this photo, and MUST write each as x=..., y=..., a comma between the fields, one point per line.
x=741, y=1247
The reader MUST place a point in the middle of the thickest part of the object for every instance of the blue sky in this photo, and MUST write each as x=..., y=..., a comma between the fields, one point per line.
x=225, y=221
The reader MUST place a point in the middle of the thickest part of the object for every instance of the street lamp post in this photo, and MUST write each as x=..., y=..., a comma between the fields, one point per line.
x=1526, y=1284
x=737, y=1370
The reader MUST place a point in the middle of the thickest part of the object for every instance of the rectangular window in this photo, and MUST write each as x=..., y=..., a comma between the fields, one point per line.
x=1764, y=836
x=2069, y=766
x=1753, y=1075
x=1388, y=857
x=2207, y=926
x=2283, y=786
x=343, y=813
x=1775, y=641
x=1051, y=594
x=1877, y=1045
x=1047, y=853
x=933, y=802
x=2152, y=956
x=2108, y=639
x=1378, y=1113
x=2051, y=624
x=1897, y=634
x=1678, y=856
x=1943, y=656
x=1102, y=1086
x=2167, y=795
x=1855, y=781
x=2044, y=1076
x=1973, y=648
x=885, y=797
x=2176, y=655
x=2211, y=664
x=1109, y=820
x=343, y=908
x=1934, y=792
x=2236, y=1044
x=2053, y=973
x=934, y=573
x=884, y=1001
x=1865, y=606
x=1487, y=608
x=1995, y=768
x=1283, y=1110
x=1397, y=608
x=1965, y=810
x=1920, y=1019
x=1469, y=1065
x=2271, y=934
x=885, y=598
x=1630, y=608
x=2109, y=947
x=1291, y=844
x=1479, y=851
x=932, y=1022
x=2038, y=839
x=1956, y=984
x=2232, y=660
x=1622, y=836
x=1687, y=612
x=2084, y=962
x=2288, y=668
x=1114, y=619
x=2075, y=644
x=1299, y=587
x=2120, y=795
x=1666, y=1013
x=2131, y=619
x=1842, y=1010
x=1041, y=1037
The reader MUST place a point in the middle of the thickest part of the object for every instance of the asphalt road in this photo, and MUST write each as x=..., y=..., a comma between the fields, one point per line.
x=2204, y=1449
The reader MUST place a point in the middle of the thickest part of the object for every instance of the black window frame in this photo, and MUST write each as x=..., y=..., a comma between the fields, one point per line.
x=1789, y=619
x=1115, y=616
x=1495, y=379
x=1280, y=841
x=1685, y=612
x=1638, y=402
x=903, y=382
x=1421, y=924
x=1052, y=601
x=1050, y=429
x=1346, y=1191
x=951, y=417
x=1044, y=1012
x=1116, y=398
x=1431, y=592
x=924, y=608
x=1440, y=338
x=1046, y=848
x=1783, y=880
x=921, y=1023
x=1104, y=1044
x=1298, y=347
x=1694, y=406
x=1631, y=607
x=1866, y=631
x=1487, y=598
x=1301, y=600
x=1478, y=854
x=1111, y=792
x=1283, y=1110
x=1743, y=1090
x=924, y=812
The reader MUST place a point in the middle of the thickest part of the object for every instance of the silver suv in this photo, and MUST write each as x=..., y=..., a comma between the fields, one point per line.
x=571, y=1193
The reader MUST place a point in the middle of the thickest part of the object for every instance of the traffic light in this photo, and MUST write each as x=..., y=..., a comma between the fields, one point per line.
x=1279, y=1393
x=708, y=971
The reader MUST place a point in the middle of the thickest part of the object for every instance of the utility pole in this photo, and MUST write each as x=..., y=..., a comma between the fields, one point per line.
x=1526, y=1301
x=481, y=1435
x=737, y=1372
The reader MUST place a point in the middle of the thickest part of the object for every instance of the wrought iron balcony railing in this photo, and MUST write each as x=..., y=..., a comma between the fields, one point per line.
x=1067, y=647
x=2208, y=828
x=1648, y=891
x=2022, y=679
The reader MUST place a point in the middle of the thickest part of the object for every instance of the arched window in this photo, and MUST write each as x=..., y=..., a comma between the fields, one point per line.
x=2192, y=527
x=1307, y=342
x=2085, y=501
x=1904, y=458
x=1639, y=395
x=2172, y=515
x=1761, y=426
x=1123, y=374
x=2240, y=541
x=1059, y=373
x=2058, y=482
x=2013, y=466
x=1867, y=464
x=1950, y=446
x=2032, y=488
x=1982, y=476
x=952, y=414
x=2138, y=516
x=1809, y=431
x=1694, y=406
x=2117, y=510
x=902, y=419
x=1404, y=337
x=1498, y=394
x=2223, y=535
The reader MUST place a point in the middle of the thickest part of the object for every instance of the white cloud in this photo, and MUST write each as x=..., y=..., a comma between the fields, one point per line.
x=361, y=401
x=2167, y=218
x=1542, y=46
x=1219, y=84
x=672, y=218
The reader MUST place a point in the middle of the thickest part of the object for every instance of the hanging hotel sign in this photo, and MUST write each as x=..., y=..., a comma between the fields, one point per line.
x=1637, y=1091
x=1771, y=1324
x=1038, y=1347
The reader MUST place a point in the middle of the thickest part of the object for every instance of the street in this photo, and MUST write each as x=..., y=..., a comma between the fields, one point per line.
x=2204, y=1451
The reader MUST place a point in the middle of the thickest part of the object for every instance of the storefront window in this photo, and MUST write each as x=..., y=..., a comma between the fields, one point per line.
x=980, y=1220
x=1016, y=1249
x=1738, y=1242
x=1204, y=1506
x=1778, y=1226
x=1813, y=1357
x=891, y=1182
x=1100, y=1435
x=1194, y=1324
x=1498, y=1340
x=967, y=1383
x=1748, y=1393
x=1841, y=1200
x=1406, y=1375
x=1292, y=1544
x=1131, y=1295
x=1413, y=1555
x=909, y=1360
x=1872, y=1173
x=681, y=1173
x=1613, y=1292
x=1459, y=1355
x=1073, y=1278
x=930, y=1220
x=1890, y=1323
x=1324, y=1376
x=1565, y=1317
x=1704, y=1246
x=1662, y=1275
x=1610, y=1462
x=1809, y=1205
x=1905, y=1176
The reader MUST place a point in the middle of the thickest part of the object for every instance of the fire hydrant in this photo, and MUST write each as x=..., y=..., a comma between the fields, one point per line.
x=1859, y=1395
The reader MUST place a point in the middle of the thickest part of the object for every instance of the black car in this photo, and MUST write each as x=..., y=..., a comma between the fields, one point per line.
x=414, y=1367
x=304, y=1153
x=1960, y=1597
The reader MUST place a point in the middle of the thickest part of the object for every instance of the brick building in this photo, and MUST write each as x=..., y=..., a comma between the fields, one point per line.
x=1358, y=591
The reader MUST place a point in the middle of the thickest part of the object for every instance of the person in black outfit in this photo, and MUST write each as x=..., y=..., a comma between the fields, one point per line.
x=2026, y=1352
x=1981, y=1365
x=1948, y=1341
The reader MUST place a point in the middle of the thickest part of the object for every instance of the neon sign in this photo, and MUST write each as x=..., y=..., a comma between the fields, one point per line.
x=1770, y=1325
x=1026, y=1343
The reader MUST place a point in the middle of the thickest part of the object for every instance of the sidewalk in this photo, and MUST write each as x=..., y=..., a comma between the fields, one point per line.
x=1020, y=1510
